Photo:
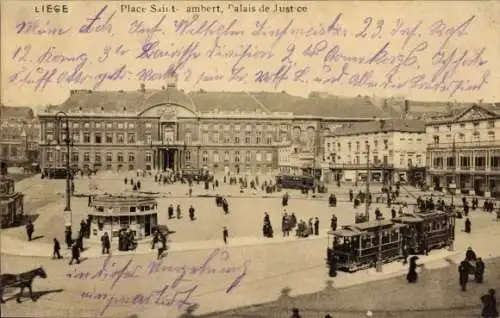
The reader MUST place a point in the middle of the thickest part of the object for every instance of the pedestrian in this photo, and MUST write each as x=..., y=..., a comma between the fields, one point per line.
x=332, y=266
x=295, y=313
x=190, y=191
x=412, y=276
x=79, y=241
x=191, y=213
x=468, y=225
x=479, y=272
x=333, y=223
x=57, y=248
x=105, y=243
x=69, y=238
x=463, y=272
x=393, y=213
x=316, y=226
x=30, y=228
x=489, y=301
x=178, y=210
x=75, y=254
x=163, y=245
x=170, y=211
x=328, y=316
x=225, y=234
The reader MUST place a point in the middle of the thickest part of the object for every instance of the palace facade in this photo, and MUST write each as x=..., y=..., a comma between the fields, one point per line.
x=240, y=132
x=463, y=152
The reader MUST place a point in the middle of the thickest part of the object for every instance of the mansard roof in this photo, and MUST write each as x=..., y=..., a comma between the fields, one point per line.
x=135, y=102
x=18, y=112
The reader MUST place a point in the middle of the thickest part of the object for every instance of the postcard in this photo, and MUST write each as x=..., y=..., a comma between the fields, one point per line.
x=249, y=158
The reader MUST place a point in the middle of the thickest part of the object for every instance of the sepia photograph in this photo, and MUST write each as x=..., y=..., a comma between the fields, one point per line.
x=258, y=159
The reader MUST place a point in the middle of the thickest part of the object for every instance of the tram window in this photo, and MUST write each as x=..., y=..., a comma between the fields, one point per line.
x=394, y=236
x=146, y=207
x=133, y=209
x=100, y=208
x=124, y=209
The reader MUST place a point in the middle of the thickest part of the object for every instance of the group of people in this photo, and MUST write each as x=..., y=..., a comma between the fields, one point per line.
x=136, y=186
x=220, y=201
x=178, y=212
x=288, y=223
x=471, y=265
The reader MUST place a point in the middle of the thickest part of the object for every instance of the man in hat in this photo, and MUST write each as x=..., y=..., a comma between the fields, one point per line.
x=489, y=305
x=75, y=254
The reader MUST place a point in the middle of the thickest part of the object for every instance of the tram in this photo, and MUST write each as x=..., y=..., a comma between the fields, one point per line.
x=295, y=182
x=427, y=230
x=361, y=245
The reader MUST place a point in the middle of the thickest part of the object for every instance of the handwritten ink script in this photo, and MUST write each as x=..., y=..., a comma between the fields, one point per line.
x=177, y=283
x=343, y=49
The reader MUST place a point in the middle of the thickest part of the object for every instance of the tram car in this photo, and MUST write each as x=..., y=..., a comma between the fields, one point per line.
x=359, y=246
x=427, y=230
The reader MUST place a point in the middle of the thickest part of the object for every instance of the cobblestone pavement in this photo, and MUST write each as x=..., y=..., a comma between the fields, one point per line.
x=278, y=263
x=298, y=264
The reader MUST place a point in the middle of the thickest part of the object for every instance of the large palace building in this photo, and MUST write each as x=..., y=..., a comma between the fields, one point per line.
x=240, y=132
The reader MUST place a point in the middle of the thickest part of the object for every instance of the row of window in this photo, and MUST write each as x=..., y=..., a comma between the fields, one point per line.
x=130, y=138
x=484, y=124
x=98, y=157
x=148, y=125
x=98, y=125
x=385, y=160
x=247, y=139
x=237, y=156
x=476, y=136
x=466, y=162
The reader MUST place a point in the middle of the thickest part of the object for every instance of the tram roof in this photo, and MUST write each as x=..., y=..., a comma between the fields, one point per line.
x=122, y=199
x=372, y=224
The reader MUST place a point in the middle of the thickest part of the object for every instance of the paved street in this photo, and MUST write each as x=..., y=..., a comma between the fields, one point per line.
x=298, y=265
x=257, y=268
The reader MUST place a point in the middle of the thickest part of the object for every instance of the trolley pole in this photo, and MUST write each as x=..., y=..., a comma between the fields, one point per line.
x=368, y=176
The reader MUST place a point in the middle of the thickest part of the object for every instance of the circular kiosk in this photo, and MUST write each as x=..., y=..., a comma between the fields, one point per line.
x=114, y=213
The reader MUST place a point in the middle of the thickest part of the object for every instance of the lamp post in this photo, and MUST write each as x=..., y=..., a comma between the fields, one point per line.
x=60, y=116
x=453, y=187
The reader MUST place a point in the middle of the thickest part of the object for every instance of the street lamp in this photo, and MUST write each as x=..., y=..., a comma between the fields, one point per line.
x=60, y=116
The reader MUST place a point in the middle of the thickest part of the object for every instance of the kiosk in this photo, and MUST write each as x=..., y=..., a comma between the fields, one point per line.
x=114, y=213
x=11, y=203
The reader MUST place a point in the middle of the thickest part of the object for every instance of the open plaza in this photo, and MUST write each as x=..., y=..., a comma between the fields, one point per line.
x=201, y=271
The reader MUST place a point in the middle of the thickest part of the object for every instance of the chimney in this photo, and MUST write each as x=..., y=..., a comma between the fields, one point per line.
x=143, y=87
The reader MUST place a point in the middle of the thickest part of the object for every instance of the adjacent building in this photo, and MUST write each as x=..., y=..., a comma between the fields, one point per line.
x=239, y=132
x=394, y=145
x=464, y=151
x=19, y=136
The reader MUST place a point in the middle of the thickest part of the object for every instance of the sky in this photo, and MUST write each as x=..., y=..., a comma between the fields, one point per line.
x=446, y=51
